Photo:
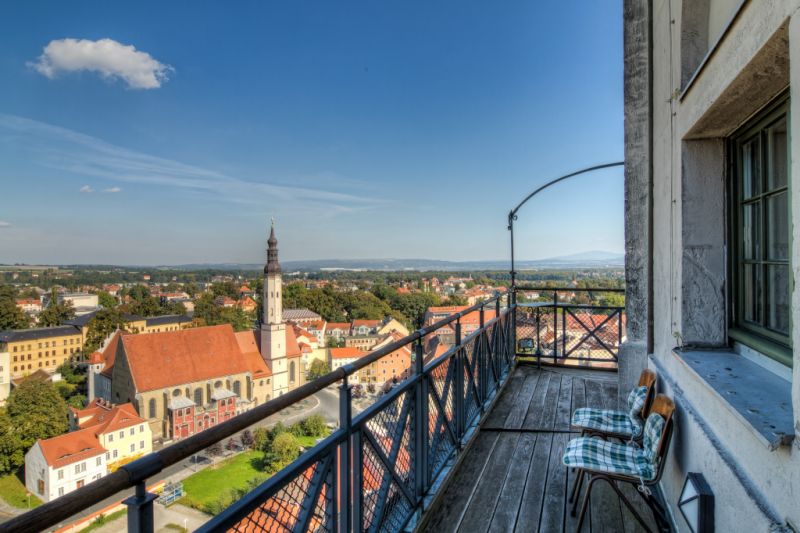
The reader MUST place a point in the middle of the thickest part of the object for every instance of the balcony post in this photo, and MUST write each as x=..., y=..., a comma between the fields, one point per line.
x=555, y=327
x=345, y=484
x=140, y=510
x=482, y=358
x=458, y=384
x=420, y=425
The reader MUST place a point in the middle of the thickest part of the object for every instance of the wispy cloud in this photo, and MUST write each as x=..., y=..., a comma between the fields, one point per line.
x=112, y=190
x=107, y=57
x=86, y=189
x=4, y=224
x=87, y=156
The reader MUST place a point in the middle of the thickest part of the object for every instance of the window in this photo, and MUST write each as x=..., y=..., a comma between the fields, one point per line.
x=237, y=388
x=110, y=437
x=115, y=454
x=198, y=396
x=151, y=408
x=60, y=491
x=122, y=434
x=99, y=460
x=141, y=445
x=60, y=473
x=759, y=235
x=132, y=431
x=133, y=448
x=141, y=428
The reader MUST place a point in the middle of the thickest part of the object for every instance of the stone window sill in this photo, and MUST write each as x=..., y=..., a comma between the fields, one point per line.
x=759, y=399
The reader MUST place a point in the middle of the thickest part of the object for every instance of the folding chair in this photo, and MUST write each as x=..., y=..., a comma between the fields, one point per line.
x=622, y=425
x=613, y=463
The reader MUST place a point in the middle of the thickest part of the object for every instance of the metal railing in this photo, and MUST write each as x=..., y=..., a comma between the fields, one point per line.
x=376, y=472
x=567, y=329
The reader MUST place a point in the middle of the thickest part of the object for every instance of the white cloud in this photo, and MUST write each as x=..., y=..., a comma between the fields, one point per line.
x=112, y=190
x=86, y=189
x=107, y=57
x=4, y=224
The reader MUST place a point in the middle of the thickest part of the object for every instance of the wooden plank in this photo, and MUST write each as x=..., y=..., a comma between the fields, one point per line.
x=610, y=394
x=534, y=413
x=530, y=509
x=481, y=507
x=520, y=408
x=556, y=490
x=578, y=393
x=449, y=510
x=548, y=418
x=505, y=514
x=571, y=522
x=506, y=401
x=594, y=394
x=564, y=406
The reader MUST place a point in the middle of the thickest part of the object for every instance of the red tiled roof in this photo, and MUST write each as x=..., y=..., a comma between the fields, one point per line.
x=338, y=325
x=105, y=418
x=110, y=352
x=249, y=345
x=368, y=323
x=70, y=447
x=347, y=353
x=190, y=355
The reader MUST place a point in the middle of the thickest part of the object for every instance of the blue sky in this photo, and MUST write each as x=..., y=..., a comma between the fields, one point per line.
x=368, y=129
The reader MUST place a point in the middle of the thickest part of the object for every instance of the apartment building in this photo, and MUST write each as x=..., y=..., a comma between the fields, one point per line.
x=39, y=348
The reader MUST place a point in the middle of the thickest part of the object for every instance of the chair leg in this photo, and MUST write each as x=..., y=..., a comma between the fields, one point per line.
x=576, y=487
x=585, y=505
x=627, y=503
x=659, y=514
x=579, y=484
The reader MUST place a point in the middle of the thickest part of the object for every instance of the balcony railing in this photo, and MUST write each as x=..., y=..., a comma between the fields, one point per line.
x=376, y=472
x=572, y=327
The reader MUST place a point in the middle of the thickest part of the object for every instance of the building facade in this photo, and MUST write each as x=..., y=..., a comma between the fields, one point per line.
x=40, y=348
x=712, y=245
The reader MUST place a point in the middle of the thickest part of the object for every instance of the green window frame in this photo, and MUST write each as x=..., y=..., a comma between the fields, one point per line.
x=759, y=205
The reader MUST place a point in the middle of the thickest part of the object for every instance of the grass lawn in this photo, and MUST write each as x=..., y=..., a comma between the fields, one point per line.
x=306, y=442
x=14, y=493
x=102, y=520
x=203, y=488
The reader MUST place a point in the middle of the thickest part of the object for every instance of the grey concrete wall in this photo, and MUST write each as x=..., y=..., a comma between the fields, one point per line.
x=757, y=489
x=638, y=175
x=703, y=239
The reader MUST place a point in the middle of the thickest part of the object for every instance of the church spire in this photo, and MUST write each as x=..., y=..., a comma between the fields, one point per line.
x=272, y=266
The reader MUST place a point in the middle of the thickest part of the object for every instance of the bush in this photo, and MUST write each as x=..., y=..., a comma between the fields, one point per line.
x=247, y=439
x=314, y=426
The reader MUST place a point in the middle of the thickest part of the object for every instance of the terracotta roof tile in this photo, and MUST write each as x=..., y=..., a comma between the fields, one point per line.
x=70, y=447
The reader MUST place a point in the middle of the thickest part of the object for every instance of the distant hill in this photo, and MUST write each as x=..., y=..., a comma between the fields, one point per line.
x=596, y=259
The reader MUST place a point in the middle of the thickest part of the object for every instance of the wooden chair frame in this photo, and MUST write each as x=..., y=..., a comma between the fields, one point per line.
x=664, y=406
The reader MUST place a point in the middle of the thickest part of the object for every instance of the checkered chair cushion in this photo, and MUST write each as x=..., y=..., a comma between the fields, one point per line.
x=609, y=421
x=598, y=455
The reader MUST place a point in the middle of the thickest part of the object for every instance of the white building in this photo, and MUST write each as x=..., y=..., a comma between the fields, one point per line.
x=712, y=141
x=83, y=302
x=54, y=467
x=5, y=376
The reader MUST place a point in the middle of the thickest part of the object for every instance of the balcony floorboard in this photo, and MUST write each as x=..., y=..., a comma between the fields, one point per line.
x=512, y=478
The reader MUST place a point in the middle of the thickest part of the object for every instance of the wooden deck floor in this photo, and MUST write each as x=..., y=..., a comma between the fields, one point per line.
x=512, y=478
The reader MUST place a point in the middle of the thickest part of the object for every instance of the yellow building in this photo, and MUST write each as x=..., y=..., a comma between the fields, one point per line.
x=30, y=350
x=137, y=324
x=119, y=429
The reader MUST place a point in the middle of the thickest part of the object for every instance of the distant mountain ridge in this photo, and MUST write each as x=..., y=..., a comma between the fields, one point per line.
x=596, y=259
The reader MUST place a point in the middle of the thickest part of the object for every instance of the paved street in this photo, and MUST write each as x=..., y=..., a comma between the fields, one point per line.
x=325, y=403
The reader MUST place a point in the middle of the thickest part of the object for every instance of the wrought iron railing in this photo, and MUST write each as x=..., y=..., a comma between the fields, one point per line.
x=572, y=326
x=376, y=472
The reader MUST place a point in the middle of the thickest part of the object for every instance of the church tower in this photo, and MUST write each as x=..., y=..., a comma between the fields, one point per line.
x=273, y=330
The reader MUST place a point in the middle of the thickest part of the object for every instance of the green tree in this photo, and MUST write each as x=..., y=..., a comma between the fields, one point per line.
x=103, y=324
x=314, y=426
x=318, y=368
x=285, y=449
x=12, y=454
x=106, y=300
x=11, y=316
x=36, y=411
x=56, y=314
